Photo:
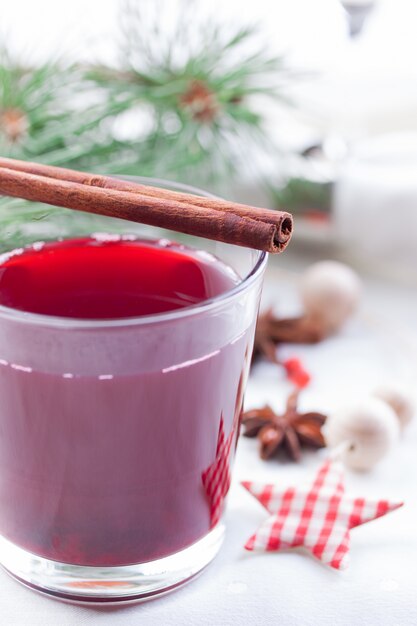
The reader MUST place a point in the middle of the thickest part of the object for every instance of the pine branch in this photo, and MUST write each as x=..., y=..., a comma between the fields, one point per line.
x=198, y=80
x=40, y=120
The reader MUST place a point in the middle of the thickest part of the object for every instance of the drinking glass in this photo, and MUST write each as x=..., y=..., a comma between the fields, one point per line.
x=118, y=437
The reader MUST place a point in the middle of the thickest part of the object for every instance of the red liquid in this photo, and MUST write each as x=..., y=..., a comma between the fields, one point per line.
x=113, y=468
x=92, y=279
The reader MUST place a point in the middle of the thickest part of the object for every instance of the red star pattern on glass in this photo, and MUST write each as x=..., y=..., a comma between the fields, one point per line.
x=216, y=478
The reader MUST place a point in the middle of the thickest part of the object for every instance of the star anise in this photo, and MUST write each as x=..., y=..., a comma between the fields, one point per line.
x=290, y=430
x=271, y=331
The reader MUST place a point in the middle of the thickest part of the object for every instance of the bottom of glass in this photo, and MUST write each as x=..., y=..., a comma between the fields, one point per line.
x=110, y=585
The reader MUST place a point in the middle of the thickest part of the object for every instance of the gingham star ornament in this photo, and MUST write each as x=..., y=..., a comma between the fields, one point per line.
x=318, y=517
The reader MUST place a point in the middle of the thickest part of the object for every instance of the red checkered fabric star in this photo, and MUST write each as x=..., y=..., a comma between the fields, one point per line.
x=216, y=478
x=318, y=517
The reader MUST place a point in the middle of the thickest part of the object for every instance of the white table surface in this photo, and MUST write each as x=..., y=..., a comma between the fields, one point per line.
x=292, y=589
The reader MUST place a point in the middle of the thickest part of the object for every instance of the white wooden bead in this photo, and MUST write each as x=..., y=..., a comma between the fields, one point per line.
x=368, y=428
x=330, y=292
x=399, y=399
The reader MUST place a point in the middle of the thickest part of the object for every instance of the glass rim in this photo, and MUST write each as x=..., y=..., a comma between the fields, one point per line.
x=208, y=305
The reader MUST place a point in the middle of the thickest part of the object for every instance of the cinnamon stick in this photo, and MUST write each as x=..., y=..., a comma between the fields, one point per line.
x=212, y=218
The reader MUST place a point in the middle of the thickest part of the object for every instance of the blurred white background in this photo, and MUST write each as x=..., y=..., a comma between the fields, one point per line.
x=364, y=86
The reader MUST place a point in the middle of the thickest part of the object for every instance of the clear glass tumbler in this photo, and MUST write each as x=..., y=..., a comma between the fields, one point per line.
x=118, y=436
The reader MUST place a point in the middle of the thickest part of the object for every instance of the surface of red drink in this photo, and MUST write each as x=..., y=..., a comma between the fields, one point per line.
x=109, y=468
x=102, y=279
